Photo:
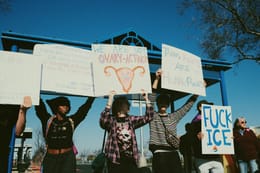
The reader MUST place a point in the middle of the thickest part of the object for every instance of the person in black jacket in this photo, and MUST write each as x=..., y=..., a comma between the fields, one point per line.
x=203, y=162
x=58, y=132
x=185, y=148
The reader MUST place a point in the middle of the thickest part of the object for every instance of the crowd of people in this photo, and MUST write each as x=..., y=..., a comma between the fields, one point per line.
x=246, y=146
x=121, y=150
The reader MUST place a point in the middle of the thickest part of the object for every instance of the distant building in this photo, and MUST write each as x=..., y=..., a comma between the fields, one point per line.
x=256, y=129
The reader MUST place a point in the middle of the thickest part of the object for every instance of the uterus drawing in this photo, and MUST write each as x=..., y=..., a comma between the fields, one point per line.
x=125, y=75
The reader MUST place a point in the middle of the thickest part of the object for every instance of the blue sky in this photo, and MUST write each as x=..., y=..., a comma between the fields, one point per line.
x=156, y=21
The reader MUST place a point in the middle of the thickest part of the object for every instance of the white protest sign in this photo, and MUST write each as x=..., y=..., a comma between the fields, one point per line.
x=122, y=68
x=19, y=76
x=216, y=125
x=182, y=71
x=66, y=69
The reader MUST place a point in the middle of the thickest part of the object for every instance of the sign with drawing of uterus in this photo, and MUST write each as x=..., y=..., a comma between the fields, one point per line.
x=120, y=68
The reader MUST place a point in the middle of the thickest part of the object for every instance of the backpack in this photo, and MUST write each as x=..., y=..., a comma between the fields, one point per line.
x=72, y=126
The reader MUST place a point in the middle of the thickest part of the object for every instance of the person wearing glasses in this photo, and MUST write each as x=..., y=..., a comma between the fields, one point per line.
x=246, y=146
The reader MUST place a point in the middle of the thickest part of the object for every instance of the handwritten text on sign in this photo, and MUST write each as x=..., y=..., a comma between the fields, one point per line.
x=182, y=71
x=19, y=76
x=217, y=130
x=124, y=68
x=66, y=69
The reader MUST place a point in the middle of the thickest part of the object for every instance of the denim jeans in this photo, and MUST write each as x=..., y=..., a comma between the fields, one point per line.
x=208, y=165
x=243, y=166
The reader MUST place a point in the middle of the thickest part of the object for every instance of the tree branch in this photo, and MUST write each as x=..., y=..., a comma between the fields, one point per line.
x=234, y=12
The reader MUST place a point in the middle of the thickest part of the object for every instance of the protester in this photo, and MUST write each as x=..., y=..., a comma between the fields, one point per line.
x=58, y=132
x=165, y=158
x=185, y=148
x=11, y=116
x=204, y=163
x=246, y=146
x=121, y=146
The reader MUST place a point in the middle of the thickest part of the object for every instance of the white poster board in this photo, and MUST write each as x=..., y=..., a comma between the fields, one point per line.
x=217, y=128
x=19, y=76
x=65, y=69
x=182, y=71
x=124, y=69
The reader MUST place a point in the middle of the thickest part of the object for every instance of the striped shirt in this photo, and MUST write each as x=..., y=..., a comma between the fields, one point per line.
x=109, y=123
x=157, y=131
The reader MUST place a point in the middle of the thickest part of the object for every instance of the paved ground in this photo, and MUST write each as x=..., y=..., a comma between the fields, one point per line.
x=80, y=169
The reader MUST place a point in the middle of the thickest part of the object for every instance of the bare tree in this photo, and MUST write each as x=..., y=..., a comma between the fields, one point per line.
x=39, y=147
x=230, y=28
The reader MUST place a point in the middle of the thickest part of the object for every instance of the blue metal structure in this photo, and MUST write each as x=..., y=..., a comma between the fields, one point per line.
x=213, y=71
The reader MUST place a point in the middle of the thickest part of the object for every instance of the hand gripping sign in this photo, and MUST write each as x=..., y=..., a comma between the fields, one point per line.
x=117, y=67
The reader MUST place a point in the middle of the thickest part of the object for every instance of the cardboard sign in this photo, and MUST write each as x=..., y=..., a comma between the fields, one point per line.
x=65, y=69
x=182, y=71
x=217, y=128
x=121, y=68
x=19, y=76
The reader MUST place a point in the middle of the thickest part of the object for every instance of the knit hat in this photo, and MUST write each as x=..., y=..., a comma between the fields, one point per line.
x=58, y=101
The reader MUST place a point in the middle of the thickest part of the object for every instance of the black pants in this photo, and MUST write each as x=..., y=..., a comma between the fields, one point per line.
x=167, y=162
x=3, y=165
x=60, y=163
x=188, y=164
x=4, y=160
x=127, y=165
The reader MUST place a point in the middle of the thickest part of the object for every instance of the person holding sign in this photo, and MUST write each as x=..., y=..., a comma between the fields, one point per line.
x=10, y=116
x=58, y=133
x=165, y=157
x=204, y=163
x=246, y=146
x=121, y=146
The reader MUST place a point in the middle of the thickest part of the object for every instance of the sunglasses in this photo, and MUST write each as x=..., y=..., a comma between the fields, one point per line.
x=243, y=122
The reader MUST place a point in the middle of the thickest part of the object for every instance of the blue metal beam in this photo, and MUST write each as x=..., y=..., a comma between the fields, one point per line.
x=223, y=89
x=12, y=142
